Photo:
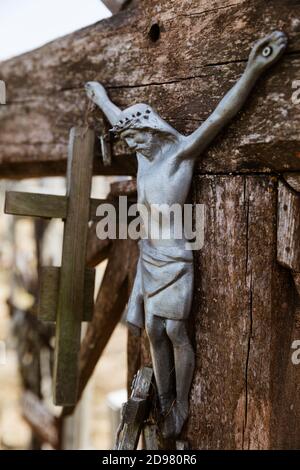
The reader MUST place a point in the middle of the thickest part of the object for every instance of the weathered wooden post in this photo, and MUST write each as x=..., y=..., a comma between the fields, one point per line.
x=244, y=315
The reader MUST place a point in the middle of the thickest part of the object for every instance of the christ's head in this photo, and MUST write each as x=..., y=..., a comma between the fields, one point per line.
x=143, y=141
x=144, y=130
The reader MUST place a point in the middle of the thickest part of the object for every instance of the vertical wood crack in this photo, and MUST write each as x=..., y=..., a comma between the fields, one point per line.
x=247, y=365
x=248, y=276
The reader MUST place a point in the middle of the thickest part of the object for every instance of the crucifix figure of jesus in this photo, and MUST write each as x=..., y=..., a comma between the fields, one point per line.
x=163, y=289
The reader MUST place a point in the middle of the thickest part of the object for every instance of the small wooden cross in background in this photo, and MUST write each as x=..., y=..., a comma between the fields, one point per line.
x=66, y=293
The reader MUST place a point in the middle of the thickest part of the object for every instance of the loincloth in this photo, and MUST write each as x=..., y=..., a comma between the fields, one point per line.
x=163, y=284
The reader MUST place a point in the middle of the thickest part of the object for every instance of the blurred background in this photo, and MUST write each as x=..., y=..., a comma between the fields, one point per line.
x=26, y=346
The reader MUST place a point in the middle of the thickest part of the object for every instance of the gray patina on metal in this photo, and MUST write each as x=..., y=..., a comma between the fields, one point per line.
x=162, y=293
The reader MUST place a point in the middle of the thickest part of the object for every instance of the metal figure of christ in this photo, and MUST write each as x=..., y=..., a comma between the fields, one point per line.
x=163, y=289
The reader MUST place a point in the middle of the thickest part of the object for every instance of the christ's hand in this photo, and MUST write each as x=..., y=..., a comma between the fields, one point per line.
x=95, y=92
x=266, y=52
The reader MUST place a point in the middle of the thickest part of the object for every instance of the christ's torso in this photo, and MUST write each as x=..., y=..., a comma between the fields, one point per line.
x=162, y=183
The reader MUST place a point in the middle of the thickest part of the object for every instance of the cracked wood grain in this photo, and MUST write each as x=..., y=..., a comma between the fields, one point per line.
x=201, y=51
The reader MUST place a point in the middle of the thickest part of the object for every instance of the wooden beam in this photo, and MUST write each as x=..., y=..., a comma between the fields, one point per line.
x=45, y=99
x=49, y=278
x=72, y=272
x=288, y=232
x=35, y=205
x=46, y=206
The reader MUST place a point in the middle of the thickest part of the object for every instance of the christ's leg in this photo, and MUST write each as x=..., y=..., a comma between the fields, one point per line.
x=184, y=359
x=163, y=365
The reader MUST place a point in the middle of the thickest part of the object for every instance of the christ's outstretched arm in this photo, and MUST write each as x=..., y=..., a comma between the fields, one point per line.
x=97, y=93
x=264, y=53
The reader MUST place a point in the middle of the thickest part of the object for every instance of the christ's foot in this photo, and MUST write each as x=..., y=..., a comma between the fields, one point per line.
x=168, y=428
x=181, y=411
x=174, y=420
x=167, y=408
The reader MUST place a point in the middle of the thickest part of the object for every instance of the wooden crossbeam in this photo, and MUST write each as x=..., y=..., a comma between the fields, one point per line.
x=46, y=206
x=35, y=205
x=185, y=89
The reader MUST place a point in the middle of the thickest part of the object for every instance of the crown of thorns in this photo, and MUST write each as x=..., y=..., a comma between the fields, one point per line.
x=136, y=120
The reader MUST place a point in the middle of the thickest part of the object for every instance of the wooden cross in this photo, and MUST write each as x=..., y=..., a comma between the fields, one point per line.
x=66, y=293
x=135, y=416
x=45, y=426
x=135, y=411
